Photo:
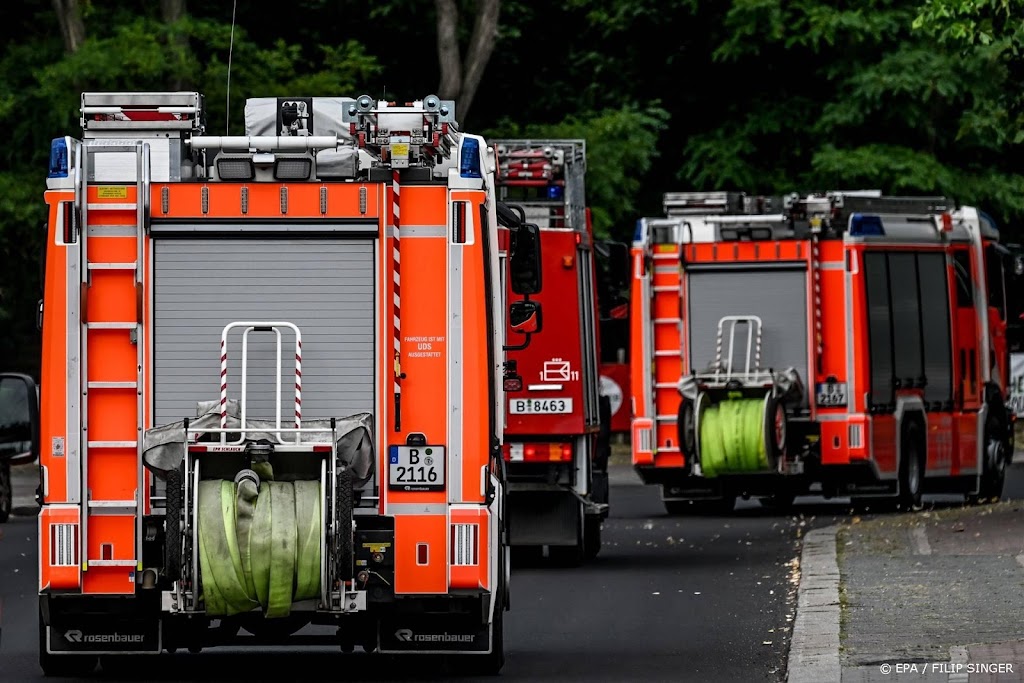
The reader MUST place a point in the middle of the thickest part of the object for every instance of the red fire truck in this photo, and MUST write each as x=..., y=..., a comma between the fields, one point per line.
x=272, y=389
x=843, y=343
x=558, y=476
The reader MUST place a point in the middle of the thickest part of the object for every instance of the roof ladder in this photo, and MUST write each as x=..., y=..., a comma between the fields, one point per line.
x=112, y=325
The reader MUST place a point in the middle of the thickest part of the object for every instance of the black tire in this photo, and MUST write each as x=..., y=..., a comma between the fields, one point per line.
x=343, y=515
x=912, y=459
x=62, y=666
x=993, y=472
x=686, y=426
x=172, y=523
x=775, y=432
x=591, y=537
x=6, y=491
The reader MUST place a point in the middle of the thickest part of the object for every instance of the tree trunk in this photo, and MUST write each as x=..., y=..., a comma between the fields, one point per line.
x=172, y=11
x=448, y=56
x=72, y=27
x=460, y=80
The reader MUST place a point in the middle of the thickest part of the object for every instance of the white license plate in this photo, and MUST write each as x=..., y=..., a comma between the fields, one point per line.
x=831, y=394
x=539, y=406
x=416, y=468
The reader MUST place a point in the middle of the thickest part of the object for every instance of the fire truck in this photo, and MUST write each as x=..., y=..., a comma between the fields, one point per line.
x=272, y=381
x=556, y=429
x=845, y=344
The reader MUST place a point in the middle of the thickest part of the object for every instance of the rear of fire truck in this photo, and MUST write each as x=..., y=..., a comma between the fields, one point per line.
x=558, y=475
x=847, y=344
x=271, y=381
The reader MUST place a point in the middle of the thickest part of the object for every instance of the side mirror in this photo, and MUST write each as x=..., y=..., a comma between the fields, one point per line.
x=524, y=317
x=525, y=260
x=19, y=419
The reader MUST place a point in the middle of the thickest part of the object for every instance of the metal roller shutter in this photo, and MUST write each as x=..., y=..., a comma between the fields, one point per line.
x=778, y=297
x=325, y=287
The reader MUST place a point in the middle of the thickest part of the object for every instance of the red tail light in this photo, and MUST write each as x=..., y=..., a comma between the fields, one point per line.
x=547, y=452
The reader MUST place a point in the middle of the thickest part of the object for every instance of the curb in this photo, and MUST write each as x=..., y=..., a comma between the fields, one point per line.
x=814, y=647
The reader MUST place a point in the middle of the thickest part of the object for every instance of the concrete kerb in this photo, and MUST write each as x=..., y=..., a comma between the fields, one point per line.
x=814, y=648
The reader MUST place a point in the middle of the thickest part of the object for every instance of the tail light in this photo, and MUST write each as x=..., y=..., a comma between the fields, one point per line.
x=540, y=452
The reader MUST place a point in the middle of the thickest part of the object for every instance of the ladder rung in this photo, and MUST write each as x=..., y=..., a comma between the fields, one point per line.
x=666, y=385
x=127, y=504
x=666, y=288
x=113, y=266
x=668, y=449
x=113, y=385
x=113, y=444
x=666, y=418
x=132, y=206
x=662, y=354
x=674, y=256
x=111, y=326
x=112, y=563
x=667, y=321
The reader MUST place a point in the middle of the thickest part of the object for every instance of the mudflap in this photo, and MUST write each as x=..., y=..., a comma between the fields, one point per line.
x=81, y=628
x=543, y=518
x=436, y=634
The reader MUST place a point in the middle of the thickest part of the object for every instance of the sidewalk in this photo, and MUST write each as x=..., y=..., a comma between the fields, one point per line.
x=932, y=596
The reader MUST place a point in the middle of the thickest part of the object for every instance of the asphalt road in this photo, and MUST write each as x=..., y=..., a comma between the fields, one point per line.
x=668, y=599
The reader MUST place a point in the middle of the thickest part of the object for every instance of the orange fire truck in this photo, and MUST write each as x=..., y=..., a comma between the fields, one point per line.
x=842, y=344
x=190, y=496
x=557, y=470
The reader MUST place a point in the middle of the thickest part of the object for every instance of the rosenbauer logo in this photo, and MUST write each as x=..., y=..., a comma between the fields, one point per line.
x=76, y=636
x=406, y=635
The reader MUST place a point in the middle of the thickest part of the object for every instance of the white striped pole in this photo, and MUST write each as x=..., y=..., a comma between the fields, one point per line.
x=298, y=380
x=223, y=384
x=397, y=302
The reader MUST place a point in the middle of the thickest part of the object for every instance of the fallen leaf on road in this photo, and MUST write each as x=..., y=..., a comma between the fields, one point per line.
x=856, y=520
x=766, y=642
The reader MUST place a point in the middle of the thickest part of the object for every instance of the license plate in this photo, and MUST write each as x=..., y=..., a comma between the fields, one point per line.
x=540, y=406
x=831, y=394
x=416, y=468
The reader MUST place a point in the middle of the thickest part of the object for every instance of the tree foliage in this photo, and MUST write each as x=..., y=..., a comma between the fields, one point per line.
x=908, y=96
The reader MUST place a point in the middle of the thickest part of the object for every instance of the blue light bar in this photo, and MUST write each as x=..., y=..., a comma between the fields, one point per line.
x=58, y=158
x=866, y=225
x=639, y=230
x=555, y=192
x=469, y=158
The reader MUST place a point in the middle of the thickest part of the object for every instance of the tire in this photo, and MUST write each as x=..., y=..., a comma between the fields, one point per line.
x=6, y=491
x=912, y=458
x=591, y=537
x=993, y=472
x=62, y=666
x=343, y=515
x=775, y=432
x=686, y=425
x=172, y=524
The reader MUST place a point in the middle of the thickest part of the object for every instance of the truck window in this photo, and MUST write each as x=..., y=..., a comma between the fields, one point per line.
x=906, y=319
x=964, y=288
x=876, y=283
x=935, y=323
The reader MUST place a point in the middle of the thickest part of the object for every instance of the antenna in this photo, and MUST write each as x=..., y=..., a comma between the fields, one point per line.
x=231, y=47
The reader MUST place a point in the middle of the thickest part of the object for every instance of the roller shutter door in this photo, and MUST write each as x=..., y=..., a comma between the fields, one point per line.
x=325, y=287
x=778, y=297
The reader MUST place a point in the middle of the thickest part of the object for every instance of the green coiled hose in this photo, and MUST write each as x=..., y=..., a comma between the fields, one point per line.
x=258, y=548
x=732, y=438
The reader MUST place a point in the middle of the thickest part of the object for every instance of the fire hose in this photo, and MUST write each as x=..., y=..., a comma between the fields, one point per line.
x=732, y=437
x=259, y=544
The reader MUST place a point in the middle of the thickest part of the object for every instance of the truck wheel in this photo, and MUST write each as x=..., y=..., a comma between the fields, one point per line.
x=6, y=491
x=686, y=425
x=591, y=536
x=172, y=524
x=911, y=474
x=343, y=516
x=62, y=666
x=993, y=468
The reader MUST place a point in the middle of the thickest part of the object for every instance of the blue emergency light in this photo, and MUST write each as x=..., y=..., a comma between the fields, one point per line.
x=866, y=225
x=469, y=158
x=58, y=158
x=555, y=192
